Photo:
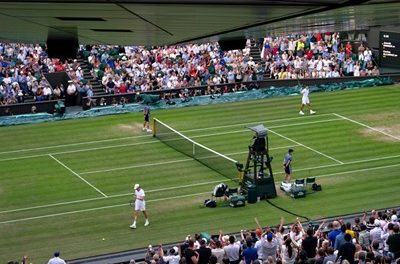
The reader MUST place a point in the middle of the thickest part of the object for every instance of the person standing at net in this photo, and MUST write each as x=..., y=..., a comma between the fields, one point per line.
x=305, y=100
x=140, y=206
x=146, y=115
x=287, y=165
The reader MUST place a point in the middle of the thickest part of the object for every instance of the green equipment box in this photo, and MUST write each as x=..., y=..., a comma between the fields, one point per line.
x=237, y=201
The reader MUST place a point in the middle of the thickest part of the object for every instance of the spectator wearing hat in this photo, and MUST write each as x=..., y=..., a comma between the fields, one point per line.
x=56, y=259
x=270, y=247
x=173, y=256
x=140, y=205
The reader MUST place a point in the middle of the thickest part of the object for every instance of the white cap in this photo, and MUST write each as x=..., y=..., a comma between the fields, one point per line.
x=136, y=186
x=394, y=218
x=377, y=222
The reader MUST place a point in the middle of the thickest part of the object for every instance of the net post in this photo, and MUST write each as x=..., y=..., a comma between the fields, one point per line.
x=154, y=127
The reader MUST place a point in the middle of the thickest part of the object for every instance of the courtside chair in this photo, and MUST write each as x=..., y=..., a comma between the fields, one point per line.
x=309, y=182
x=299, y=182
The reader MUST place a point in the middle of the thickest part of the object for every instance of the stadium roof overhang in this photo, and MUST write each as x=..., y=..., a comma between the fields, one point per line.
x=162, y=22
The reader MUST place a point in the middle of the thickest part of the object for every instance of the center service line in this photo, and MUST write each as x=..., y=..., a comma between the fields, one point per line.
x=316, y=151
x=77, y=175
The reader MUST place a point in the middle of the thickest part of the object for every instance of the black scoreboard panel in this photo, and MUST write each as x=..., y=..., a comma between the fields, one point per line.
x=389, y=49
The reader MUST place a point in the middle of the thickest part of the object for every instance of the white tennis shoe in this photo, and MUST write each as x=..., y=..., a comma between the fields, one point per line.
x=133, y=226
x=146, y=223
x=301, y=113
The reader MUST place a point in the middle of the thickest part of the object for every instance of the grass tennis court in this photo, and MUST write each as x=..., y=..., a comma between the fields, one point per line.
x=66, y=185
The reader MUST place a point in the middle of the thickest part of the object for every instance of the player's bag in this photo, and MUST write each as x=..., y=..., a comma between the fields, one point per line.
x=316, y=187
x=210, y=203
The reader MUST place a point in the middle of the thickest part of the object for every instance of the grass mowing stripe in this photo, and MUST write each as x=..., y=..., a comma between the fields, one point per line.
x=278, y=126
x=346, y=163
x=140, y=136
x=77, y=175
x=97, y=208
x=175, y=197
x=251, y=123
x=316, y=151
x=364, y=125
x=109, y=197
x=152, y=142
x=168, y=162
x=71, y=144
x=360, y=170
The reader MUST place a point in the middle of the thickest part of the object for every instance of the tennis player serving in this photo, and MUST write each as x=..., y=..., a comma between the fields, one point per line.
x=305, y=100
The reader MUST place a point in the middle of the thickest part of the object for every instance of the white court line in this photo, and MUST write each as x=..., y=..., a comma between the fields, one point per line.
x=346, y=163
x=360, y=170
x=278, y=126
x=140, y=136
x=154, y=141
x=102, y=198
x=316, y=151
x=72, y=144
x=118, y=195
x=175, y=197
x=168, y=162
x=77, y=175
x=364, y=125
x=98, y=208
x=204, y=183
x=255, y=122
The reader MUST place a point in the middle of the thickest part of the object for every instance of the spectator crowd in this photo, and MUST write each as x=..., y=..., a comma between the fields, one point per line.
x=134, y=68
x=362, y=241
x=139, y=69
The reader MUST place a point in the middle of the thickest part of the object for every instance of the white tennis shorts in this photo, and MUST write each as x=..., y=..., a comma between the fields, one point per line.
x=140, y=205
x=305, y=100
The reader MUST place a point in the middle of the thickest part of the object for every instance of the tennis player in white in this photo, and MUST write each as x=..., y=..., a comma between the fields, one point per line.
x=305, y=100
x=140, y=205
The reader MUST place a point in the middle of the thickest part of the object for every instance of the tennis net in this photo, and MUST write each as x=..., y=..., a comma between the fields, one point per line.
x=216, y=161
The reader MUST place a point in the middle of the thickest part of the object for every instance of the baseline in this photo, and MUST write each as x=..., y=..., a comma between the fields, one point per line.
x=367, y=126
x=169, y=198
x=97, y=208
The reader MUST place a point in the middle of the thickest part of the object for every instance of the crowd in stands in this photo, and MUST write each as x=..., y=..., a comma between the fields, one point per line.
x=362, y=241
x=138, y=69
x=316, y=55
x=370, y=239
x=133, y=68
x=21, y=73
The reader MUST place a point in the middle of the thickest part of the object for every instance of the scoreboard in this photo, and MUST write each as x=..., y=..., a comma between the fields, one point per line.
x=389, y=49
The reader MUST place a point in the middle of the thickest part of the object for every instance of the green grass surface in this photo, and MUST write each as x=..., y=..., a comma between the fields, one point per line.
x=66, y=185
